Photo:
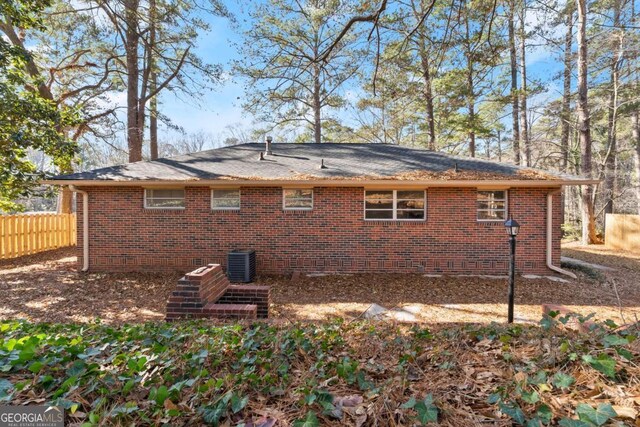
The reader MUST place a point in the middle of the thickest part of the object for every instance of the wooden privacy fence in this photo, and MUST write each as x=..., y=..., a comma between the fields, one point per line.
x=622, y=232
x=27, y=234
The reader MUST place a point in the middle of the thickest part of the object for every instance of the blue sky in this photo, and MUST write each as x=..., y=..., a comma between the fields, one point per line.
x=222, y=106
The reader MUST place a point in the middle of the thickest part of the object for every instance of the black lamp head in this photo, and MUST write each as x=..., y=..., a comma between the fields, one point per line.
x=512, y=227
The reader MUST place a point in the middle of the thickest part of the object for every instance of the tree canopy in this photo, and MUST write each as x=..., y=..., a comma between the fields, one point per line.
x=545, y=84
x=28, y=121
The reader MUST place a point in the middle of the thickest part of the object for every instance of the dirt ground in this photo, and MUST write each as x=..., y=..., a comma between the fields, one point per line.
x=47, y=287
x=470, y=299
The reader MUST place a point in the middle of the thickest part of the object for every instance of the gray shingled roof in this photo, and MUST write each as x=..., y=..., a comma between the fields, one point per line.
x=291, y=160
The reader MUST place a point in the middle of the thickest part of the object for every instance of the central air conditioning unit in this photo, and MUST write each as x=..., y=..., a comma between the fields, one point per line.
x=241, y=266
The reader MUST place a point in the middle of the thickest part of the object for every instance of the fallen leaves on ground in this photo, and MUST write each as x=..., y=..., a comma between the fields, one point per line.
x=337, y=373
x=48, y=287
x=450, y=299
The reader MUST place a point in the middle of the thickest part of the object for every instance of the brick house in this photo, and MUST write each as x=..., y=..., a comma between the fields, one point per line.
x=318, y=207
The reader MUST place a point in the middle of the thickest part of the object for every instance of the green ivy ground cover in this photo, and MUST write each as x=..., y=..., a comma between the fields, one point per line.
x=333, y=373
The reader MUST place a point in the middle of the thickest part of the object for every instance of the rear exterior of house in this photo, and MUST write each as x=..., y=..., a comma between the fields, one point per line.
x=332, y=236
x=298, y=222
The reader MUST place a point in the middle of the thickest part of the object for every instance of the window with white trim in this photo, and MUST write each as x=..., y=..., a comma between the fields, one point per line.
x=492, y=205
x=297, y=198
x=401, y=205
x=163, y=198
x=226, y=199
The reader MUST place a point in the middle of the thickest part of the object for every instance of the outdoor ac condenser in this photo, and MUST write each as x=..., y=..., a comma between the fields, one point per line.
x=241, y=266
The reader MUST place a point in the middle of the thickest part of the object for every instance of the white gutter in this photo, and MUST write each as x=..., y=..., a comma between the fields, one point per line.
x=371, y=183
x=85, y=226
x=550, y=236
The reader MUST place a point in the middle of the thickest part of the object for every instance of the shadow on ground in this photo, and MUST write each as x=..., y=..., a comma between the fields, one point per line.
x=610, y=295
x=47, y=287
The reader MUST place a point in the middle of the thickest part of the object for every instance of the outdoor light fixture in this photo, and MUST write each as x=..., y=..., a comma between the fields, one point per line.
x=512, y=227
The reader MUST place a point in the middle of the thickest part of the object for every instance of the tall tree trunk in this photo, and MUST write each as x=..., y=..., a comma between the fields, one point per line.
x=141, y=117
x=132, y=39
x=515, y=135
x=153, y=119
x=153, y=83
x=470, y=92
x=472, y=120
x=524, y=125
x=635, y=119
x=584, y=127
x=383, y=119
x=428, y=94
x=565, y=114
x=487, y=148
x=65, y=200
x=317, y=118
x=635, y=136
x=612, y=116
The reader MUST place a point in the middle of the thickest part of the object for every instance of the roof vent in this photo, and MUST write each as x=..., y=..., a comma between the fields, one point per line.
x=322, y=166
x=268, y=144
x=455, y=167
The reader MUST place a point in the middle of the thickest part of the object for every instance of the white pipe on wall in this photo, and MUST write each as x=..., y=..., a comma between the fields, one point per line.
x=85, y=226
x=550, y=236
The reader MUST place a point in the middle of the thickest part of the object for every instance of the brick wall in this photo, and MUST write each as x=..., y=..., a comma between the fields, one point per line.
x=195, y=290
x=207, y=293
x=331, y=237
x=249, y=294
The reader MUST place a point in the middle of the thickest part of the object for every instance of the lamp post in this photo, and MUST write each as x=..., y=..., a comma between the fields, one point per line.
x=512, y=227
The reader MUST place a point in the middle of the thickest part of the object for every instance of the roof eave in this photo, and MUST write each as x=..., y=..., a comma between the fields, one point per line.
x=379, y=183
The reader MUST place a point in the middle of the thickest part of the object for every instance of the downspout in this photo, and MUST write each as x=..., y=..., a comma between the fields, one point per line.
x=85, y=226
x=550, y=236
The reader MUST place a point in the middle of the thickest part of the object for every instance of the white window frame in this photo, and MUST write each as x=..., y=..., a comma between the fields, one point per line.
x=296, y=208
x=506, y=205
x=146, y=205
x=395, y=206
x=229, y=208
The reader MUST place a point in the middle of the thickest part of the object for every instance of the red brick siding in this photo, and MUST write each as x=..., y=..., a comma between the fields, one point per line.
x=331, y=237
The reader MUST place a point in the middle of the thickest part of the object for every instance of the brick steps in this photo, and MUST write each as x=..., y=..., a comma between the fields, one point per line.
x=207, y=293
x=248, y=294
x=231, y=311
